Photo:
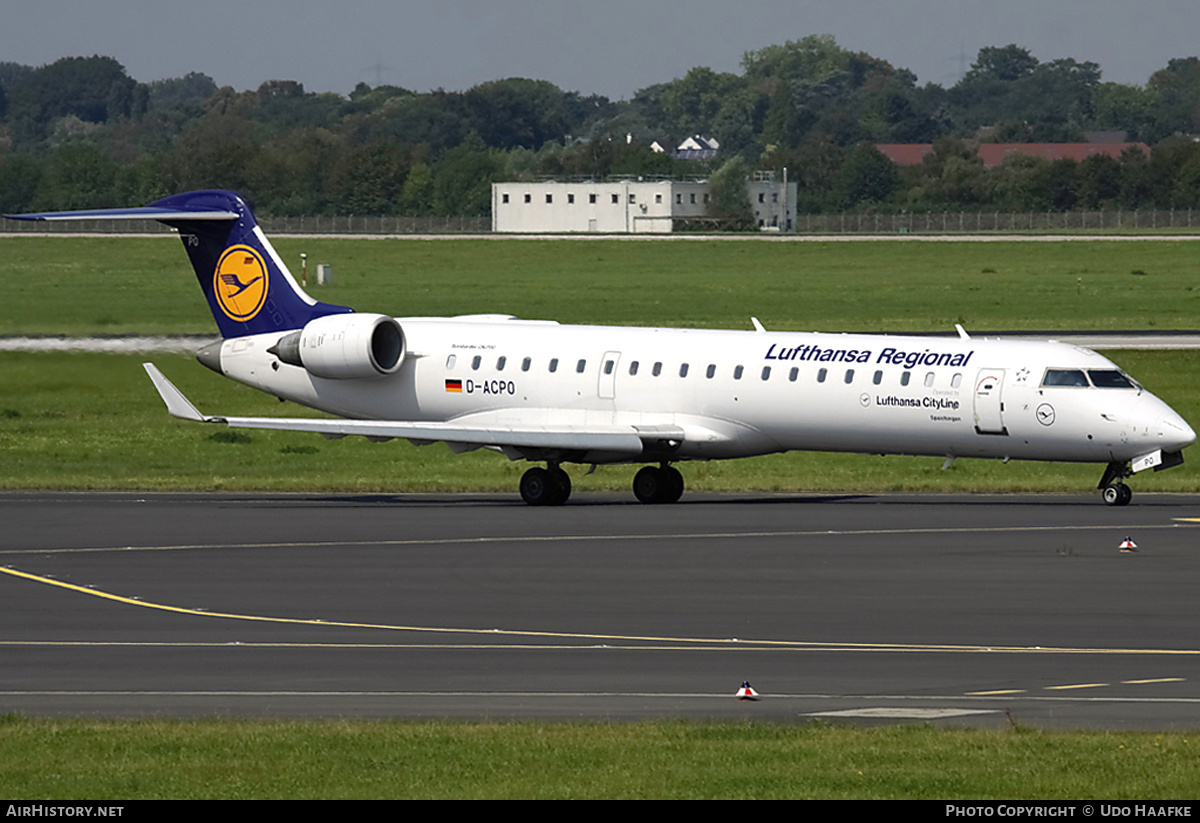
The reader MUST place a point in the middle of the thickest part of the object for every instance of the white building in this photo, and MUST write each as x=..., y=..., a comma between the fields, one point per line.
x=626, y=206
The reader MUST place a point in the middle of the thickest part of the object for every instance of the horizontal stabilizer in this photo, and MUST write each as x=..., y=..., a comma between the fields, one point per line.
x=140, y=213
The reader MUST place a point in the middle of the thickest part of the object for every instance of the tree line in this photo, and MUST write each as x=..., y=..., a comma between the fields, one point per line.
x=81, y=133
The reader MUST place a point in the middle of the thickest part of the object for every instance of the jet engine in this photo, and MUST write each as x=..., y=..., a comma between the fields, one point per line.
x=345, y=346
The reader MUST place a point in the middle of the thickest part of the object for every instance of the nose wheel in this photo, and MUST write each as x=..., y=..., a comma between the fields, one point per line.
x=1116, y=494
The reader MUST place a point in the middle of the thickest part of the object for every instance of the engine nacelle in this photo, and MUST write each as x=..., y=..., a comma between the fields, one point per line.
x=345, y=346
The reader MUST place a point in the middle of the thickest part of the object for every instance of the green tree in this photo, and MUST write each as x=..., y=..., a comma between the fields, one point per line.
x=730, y=201
x=867, y=176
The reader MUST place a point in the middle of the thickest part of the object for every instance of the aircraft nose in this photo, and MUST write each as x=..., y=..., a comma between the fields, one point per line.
x=1156, y=424
x=1175, y=432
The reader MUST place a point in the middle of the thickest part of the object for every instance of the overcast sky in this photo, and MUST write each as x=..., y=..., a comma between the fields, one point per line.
x=612, y=48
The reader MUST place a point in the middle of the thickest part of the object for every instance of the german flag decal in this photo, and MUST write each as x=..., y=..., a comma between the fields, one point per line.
x=454, y=385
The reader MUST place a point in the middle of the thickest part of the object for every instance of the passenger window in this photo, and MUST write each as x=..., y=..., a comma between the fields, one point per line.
x=877, y=378
x=608, y=366
x=683, y=370
x=475, y=362
x=766, y=372
x=711, y=371
x=956, y=381
x=500, y=363
x=905, y=377
x=929, y=380
x=793, y=374
x=737, y=373
x=553, y=365
x=450, y=361
x=849, y=376
x=633, y=367
x=580, y=366
x=526, y=363
x=821, y=375
x=657, y=370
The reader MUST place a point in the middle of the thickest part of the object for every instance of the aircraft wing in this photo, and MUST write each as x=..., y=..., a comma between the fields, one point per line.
x=626, y=440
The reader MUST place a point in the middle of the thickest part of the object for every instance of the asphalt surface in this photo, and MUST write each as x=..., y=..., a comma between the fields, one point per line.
x=960, y=610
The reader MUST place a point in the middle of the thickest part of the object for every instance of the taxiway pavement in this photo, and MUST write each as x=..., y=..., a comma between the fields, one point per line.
x=967, y=610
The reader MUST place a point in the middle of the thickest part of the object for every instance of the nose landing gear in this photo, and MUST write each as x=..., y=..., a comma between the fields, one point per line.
x=1112, y=491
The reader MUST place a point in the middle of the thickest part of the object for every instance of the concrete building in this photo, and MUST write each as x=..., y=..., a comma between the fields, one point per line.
x=627, y=206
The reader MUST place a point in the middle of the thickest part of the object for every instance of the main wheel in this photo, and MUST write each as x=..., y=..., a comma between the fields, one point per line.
x=648, y=484
x=561, y=486
x=537, y=487
x=658, y=485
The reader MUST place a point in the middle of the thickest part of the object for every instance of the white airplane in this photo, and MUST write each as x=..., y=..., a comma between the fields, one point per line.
x=539, y=391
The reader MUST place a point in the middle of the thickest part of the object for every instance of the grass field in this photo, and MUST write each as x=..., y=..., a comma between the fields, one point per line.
x=64, y=759
x=84, y=286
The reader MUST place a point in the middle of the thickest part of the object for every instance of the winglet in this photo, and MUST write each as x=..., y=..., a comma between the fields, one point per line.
x=177, y=404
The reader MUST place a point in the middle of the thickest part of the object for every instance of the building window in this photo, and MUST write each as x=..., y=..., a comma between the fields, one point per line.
x=658, y=198
x=762, y=198
x=528, y=198
x=592, y=198
x=693, y=196
x=633, y=198
x=504, y=198
x=679, y=199
x=570, y=198
x=549, y=198
x=616, y=199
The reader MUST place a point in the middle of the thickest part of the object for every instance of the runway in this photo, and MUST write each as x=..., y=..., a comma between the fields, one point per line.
x=963, y=610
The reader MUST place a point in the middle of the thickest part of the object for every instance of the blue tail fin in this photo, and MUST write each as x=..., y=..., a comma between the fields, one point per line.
x=248, y=287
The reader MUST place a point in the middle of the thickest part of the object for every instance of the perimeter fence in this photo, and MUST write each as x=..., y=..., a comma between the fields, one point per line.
x=1114, y=222
x=340, y=224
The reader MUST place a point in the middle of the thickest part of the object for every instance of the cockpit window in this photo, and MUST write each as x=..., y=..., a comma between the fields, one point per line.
x=1110, y=379
x=1064, y=377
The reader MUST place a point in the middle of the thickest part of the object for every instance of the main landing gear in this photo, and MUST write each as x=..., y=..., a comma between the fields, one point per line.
x=1112, y=491
x=658, y=484
x=551, y=486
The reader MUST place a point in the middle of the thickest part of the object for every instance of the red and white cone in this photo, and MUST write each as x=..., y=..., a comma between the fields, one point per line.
x=746, y=692
x=1128, y=545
